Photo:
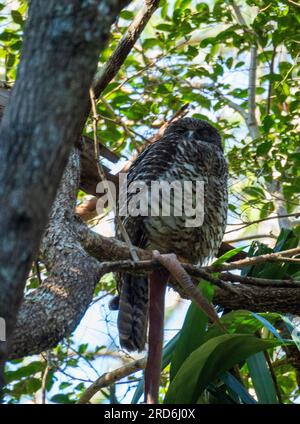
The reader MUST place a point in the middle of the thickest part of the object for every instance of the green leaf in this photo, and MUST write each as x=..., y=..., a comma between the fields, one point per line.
x=192, y=332
x=267, y=123
x=209, y=362
x=241, y=321
x=264, y=148
x=237, y=388
x=61, y=399
x=127, y=14
x=268, y=325
x=26, y=371
x=228, y=255
x=296, y=276
x=164, y=9
x=17, y=17
x=165, y=27
x=150, y=42
x=229, y=62
x=262, y=379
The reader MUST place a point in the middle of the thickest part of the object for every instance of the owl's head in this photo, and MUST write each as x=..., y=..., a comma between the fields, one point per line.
x=195, y=129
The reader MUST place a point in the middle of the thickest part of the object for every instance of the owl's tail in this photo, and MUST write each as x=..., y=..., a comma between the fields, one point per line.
x=133, y=312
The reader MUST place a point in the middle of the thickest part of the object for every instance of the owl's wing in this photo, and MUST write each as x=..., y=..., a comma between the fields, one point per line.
x=150, y=165
x=169, y=157
x=154, y=160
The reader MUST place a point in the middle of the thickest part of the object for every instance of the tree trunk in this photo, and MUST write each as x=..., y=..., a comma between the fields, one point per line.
x=44, y=117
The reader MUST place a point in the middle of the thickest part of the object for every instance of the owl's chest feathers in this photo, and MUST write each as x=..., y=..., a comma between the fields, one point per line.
x=197, y=162
x=192, y=243
x=170, y=233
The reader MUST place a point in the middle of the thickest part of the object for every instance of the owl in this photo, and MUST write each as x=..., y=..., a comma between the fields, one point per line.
x=188, y=153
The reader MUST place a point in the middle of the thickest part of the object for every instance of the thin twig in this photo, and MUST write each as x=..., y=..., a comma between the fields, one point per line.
x=269, y=257
x=257, y=221
x=118, y=120
x=111, y=377
x=273, y=376
x=262, y=282
x=47, y=358
x=205, y=273
x=294, y=3
x=103, y=178
x=253, y=237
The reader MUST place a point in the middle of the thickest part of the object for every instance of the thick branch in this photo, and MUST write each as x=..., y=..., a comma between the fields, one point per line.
x=116, y=60
x=260, y=299
x=54, y=309
x=61, y=46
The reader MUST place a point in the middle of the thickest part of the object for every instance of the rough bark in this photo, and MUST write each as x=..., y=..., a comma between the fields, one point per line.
x=4, y=96
x=61, y=46
x=53, y=310
x=260, y=299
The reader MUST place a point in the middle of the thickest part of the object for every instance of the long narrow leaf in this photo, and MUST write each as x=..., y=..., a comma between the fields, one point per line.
x=209, y=362
x=262, y=379
x=268, y=325
x=232, y=383
x=192, y=332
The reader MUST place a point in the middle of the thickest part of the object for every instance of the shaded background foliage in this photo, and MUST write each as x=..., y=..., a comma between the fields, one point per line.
x=198, y=55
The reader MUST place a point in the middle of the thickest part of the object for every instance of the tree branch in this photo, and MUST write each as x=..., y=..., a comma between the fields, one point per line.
x=38, y=129
x=111, y=377
x=257, y=221
x=260, y=299
x=60, y=302
x=206, y=273
x=116, y=60
x=251, y=118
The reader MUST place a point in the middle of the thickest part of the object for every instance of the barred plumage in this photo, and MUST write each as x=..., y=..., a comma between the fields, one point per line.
x=189, y=150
